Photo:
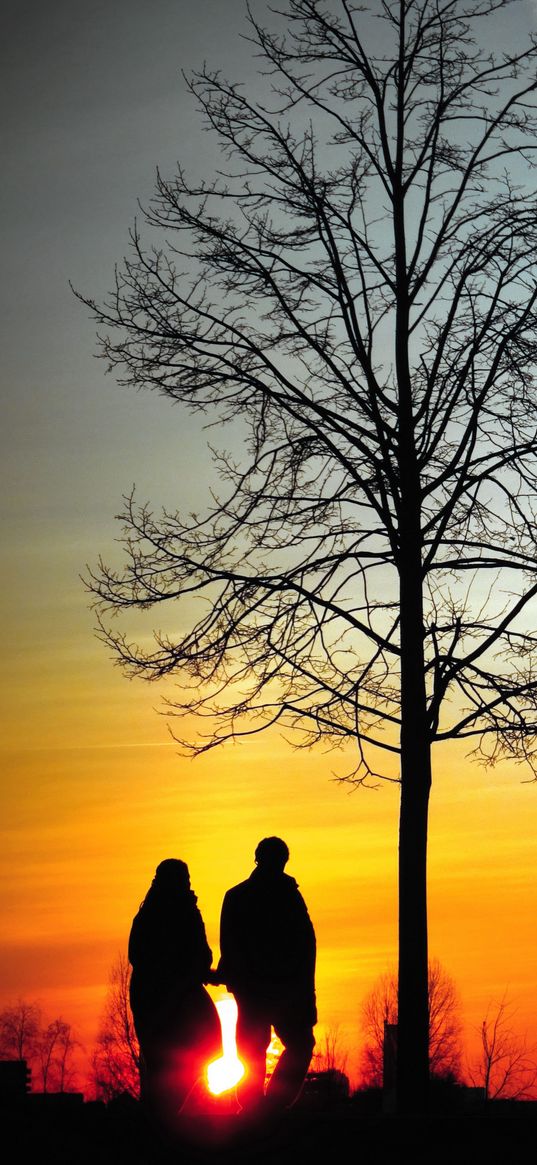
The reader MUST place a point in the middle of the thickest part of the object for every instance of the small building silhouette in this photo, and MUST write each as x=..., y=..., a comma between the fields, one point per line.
x=15, y=1081
x=389, y=1067
x=323, y=1089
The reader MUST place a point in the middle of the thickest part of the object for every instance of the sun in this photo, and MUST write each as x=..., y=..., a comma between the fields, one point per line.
x=226, y=1072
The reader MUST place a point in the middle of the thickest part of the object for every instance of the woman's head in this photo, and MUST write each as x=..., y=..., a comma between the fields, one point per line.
x=172, y=874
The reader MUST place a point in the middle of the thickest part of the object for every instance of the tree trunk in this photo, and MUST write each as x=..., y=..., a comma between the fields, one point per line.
x=413, y=1005
x=413, y=1002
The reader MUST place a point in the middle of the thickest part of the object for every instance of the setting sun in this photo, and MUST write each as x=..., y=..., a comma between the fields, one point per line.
x=223, y=1074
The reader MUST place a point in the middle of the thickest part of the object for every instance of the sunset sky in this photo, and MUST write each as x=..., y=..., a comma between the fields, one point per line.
x=94, y=793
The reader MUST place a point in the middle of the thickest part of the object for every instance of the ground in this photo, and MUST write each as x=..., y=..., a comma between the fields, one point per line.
x=119, y=1135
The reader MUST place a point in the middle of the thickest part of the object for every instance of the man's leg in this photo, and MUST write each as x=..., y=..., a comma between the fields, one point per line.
x=253, y=1039
x=288, y=1077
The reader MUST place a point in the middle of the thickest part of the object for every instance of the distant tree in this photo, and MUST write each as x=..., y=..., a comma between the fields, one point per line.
x=55, y=1047
x=20, y=1028
x=506, y=1067
x=445, y=1027
x=115, y=1065
x=48, y=1048
x=329, y=1053
x=354, y=285
x=329, y=1058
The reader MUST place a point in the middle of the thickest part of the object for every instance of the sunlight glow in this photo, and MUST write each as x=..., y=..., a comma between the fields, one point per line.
x=224, y=1073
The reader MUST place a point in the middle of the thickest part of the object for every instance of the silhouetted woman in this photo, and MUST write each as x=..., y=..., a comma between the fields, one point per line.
x=175, y=1018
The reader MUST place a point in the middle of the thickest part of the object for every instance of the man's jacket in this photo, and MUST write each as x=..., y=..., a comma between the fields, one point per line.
x=267, y=945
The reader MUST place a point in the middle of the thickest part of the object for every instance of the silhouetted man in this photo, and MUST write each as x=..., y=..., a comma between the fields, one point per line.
x=267, y=945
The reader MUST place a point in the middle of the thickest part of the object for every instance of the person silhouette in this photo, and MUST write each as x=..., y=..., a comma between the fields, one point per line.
x=268, y=950
x=175, y=1019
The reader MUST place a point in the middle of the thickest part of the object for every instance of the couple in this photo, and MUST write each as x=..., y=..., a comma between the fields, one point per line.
x=267, y=946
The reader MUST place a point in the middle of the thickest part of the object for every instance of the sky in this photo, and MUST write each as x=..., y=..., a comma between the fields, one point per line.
x=94, y=793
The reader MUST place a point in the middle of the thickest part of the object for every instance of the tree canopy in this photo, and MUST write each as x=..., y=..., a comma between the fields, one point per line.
x=355, y=288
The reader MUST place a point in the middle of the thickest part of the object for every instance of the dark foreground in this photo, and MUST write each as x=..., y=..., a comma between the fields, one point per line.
x=119, y=1135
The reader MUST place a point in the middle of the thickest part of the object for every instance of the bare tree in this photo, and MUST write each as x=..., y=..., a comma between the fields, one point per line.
x=20, y=1027
x=506, y=1068
x=55, y=1047
x=48, y=1048
x=378, y=1008
x=329, y=1054
x=445, y=1027
x=65, y=1074
x=355, y=288
x=115, y=1066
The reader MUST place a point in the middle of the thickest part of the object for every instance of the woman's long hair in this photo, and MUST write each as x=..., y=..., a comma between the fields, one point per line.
x=172, y=878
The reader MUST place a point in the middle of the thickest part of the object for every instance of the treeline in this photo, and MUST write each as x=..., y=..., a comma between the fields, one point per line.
x=504, y=1066
x=47, y=1046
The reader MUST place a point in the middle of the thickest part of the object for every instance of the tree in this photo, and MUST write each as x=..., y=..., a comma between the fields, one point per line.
x=48, y=1050
x=116, y=1059
x=354, y=288
x=20, y=1026
x=507, y=1066
x=54, y=1051
x=445, y=1027
x=328, y=1071
x=329, y=1054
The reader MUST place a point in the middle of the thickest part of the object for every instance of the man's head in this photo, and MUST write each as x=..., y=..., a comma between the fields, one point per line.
x=272, y=854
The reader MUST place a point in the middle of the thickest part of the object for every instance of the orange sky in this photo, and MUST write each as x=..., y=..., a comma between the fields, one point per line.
x=96, y=796
x=93, y=792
